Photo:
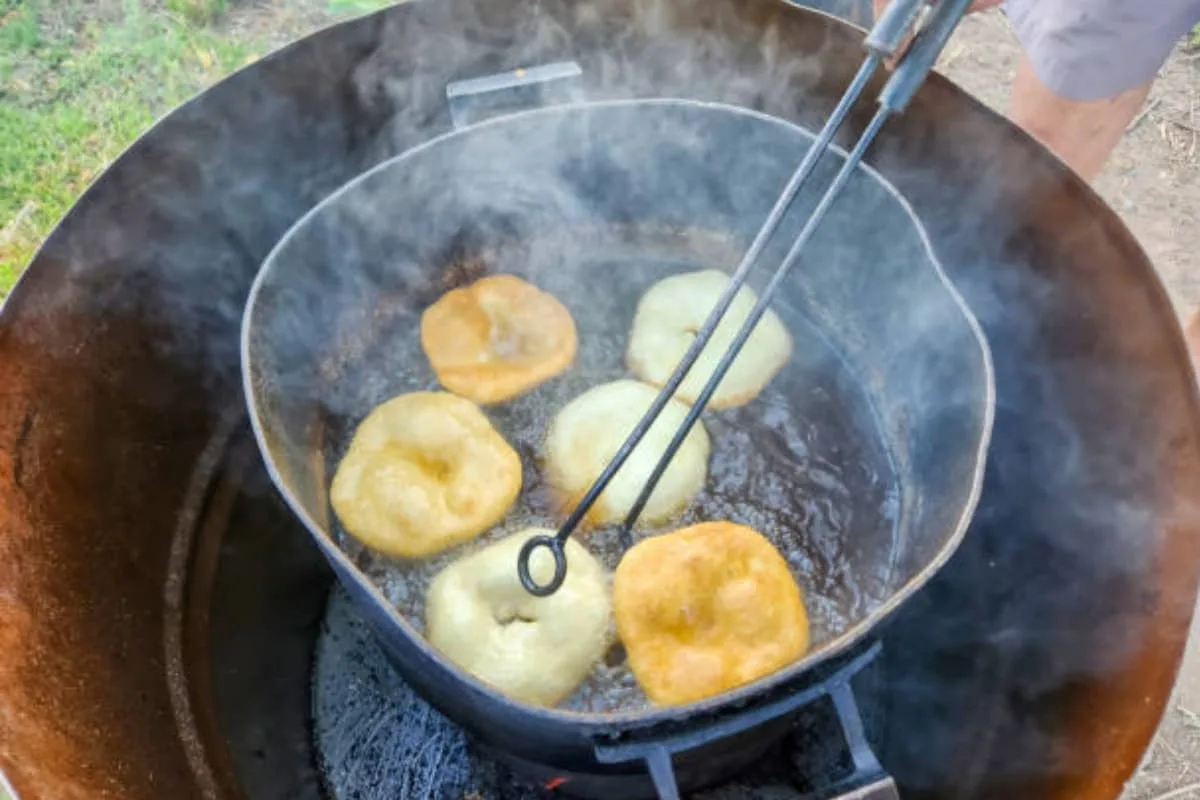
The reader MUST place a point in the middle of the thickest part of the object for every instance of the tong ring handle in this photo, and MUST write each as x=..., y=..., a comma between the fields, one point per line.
x=557, y=548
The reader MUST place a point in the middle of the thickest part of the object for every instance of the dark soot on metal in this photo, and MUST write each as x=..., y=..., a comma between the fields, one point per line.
x=805, y=463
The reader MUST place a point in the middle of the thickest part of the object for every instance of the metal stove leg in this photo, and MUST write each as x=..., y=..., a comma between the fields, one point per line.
x=868, y=774
x=866, y=764
x=852, y=727
x=662, y=772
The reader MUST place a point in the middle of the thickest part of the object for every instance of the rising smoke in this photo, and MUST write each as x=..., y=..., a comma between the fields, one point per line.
x=886, y=325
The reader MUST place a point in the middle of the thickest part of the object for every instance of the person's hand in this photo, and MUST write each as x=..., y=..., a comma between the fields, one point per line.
x=978, y=5
x=880, y=5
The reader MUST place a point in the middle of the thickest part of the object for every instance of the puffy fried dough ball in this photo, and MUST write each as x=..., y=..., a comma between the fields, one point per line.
x=668, y=318
x=706, y=609
x=535, y=649
x=497, y=338
x=586, y=434
x=424, y=472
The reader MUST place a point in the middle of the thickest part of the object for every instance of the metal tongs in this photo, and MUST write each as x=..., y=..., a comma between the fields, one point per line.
x=913, y=32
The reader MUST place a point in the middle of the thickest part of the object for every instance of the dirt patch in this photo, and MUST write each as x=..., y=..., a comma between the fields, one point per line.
x=1152, y=178
x=277, y=22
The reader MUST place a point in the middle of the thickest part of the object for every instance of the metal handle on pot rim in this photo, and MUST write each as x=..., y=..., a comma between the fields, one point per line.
x=476, y=99
x=868, y=782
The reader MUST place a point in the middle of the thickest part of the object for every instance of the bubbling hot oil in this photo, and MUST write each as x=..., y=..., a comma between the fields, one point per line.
x=804, y=463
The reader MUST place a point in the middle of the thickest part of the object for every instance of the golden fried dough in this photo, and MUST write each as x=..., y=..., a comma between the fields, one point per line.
x=706, y=609
x=497, y=338
x=424, y=472
x=535, y=649
x=668, y=318
x=586, y=434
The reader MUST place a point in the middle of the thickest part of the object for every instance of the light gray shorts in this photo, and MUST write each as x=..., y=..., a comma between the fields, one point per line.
x=1095, y=49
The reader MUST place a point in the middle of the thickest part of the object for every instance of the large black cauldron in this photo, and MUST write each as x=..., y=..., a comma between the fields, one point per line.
x=594, y=202
x=1037, y=664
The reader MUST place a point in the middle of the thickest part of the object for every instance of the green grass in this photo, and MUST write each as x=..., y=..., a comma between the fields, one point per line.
x=76, y=87
x=81, y=79
x=198, y=12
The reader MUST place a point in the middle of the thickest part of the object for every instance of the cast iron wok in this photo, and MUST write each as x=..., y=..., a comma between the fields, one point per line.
x=632, y=187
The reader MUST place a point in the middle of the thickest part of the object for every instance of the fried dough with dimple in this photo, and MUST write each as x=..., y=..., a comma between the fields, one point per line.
x=669, y=316
x=706, y=609
x=535, y=649
x=424, y=472
x=587, y=432
x=497, y=338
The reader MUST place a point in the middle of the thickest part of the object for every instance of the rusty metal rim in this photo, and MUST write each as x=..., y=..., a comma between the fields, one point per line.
x=204, y=476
